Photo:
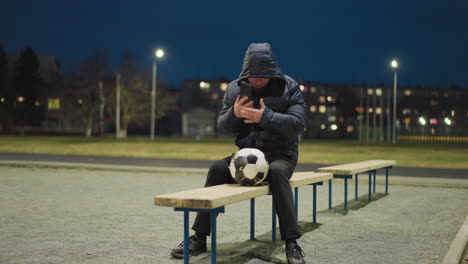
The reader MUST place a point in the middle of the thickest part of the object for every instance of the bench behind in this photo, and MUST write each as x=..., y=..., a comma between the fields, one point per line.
x=358, y=167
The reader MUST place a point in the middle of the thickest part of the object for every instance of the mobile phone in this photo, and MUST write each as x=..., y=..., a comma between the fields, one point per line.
x=245, y=90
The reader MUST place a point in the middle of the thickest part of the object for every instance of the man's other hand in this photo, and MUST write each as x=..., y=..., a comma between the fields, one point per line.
x=240, y=104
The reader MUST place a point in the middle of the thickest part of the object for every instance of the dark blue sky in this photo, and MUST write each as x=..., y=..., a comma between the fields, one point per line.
x=325, y=41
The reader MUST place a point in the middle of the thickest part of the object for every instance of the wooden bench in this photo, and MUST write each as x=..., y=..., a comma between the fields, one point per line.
x=346, y=171
x=213, y=200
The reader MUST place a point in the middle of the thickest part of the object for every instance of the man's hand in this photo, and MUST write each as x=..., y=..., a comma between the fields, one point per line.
x=252, y=115
x=240, y=104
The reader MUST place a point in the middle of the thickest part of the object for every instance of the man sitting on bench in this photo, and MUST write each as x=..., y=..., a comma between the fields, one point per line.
x=270, y=119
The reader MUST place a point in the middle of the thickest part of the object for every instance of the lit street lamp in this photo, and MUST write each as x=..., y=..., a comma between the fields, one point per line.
x=394, y=64
x=159, y=53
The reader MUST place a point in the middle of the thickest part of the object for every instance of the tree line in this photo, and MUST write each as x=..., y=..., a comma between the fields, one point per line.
x=87, y=91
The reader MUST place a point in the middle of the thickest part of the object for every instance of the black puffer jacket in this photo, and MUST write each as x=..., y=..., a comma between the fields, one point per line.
x=284, y=116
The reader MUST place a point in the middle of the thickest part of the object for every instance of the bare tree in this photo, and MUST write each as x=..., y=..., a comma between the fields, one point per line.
x=135, y=94
x=83, y=84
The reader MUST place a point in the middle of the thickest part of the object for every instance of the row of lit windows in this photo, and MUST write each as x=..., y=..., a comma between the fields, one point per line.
x=432, y=121
x=370, y=91
x=408, y=111
x=53, y=103
x=334, y=127
x=207, y=85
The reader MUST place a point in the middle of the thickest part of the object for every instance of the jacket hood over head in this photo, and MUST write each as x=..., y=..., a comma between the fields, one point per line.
x=259, y=62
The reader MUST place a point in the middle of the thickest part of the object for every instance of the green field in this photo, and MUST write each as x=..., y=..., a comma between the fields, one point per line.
x=440, y=155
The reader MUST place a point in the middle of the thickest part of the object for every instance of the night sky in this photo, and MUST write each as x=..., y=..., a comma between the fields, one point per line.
x=324, y=41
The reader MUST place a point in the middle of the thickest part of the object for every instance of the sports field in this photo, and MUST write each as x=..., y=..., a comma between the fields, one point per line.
x=434, y=154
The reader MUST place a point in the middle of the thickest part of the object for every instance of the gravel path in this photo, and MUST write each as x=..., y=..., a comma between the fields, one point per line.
x=84, y=216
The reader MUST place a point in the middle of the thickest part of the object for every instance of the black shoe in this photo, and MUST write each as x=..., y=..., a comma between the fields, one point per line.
x=294, y=254
x=196, y=247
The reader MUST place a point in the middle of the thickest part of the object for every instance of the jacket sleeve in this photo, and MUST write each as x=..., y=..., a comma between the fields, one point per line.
x=227, y=122
x=290, y=124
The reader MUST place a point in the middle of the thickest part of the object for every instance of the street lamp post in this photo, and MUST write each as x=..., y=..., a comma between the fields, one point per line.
x=158, y=54
x=394, y=64
x=117, y=108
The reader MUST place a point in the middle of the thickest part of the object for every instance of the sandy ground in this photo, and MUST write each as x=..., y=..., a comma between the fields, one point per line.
x=86, y=216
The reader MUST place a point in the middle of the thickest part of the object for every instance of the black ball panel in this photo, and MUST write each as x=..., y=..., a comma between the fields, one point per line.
x=240, y=162
x=259, y=176
x=252, y=159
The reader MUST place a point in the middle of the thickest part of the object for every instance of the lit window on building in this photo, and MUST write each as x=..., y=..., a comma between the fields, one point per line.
x=223, y=87
x=322, y=109
x=204, y=85
x=329, y=98
x=453, y=112
x=323, y=126
x=20, y=99
x=2, y=100
x=446, y=95
x=302, y=87
x=37, y=104
x=371, y=110
x=322, y=99
x=407, y=92
x=313, y=89
x=378, y=92
x=360, y=109
x=333, y=109
x=214, y=96
x=334, y=127
x=370, y=91
x=53, y=104
x=434, y=102
x=313, y=108
x=433, y=121
x=406, y=111
x=332, y=118
x=350, y=129
x=80, y=101
x=378, y=110
x=406, y=121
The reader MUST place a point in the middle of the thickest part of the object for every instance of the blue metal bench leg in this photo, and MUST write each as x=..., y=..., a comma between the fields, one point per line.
x=273, y=221
x=186, y=237
x=370, y=184
x=346, y=194
x=356, y=188
x=314, y=204
x=386, y=180
x=252, y=219
x=213, y=237
x=375, y=174
x=296, y=202
x=329, y=194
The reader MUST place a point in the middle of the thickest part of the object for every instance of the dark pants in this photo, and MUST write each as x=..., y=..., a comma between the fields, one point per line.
x=279, y=173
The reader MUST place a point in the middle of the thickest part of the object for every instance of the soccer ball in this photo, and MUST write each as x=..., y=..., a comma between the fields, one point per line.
x=248, y=167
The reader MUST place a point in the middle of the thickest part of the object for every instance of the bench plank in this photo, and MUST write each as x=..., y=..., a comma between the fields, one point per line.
x=358, y=167
x=210, y=197
x=305, y=178
x=221, y=195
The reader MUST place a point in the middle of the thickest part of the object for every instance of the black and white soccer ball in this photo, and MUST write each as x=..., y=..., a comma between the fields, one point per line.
x=248, y=167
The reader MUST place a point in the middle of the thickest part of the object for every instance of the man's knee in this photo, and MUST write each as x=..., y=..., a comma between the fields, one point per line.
x=279, y=171
x=218, y=174
x=219, y=166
